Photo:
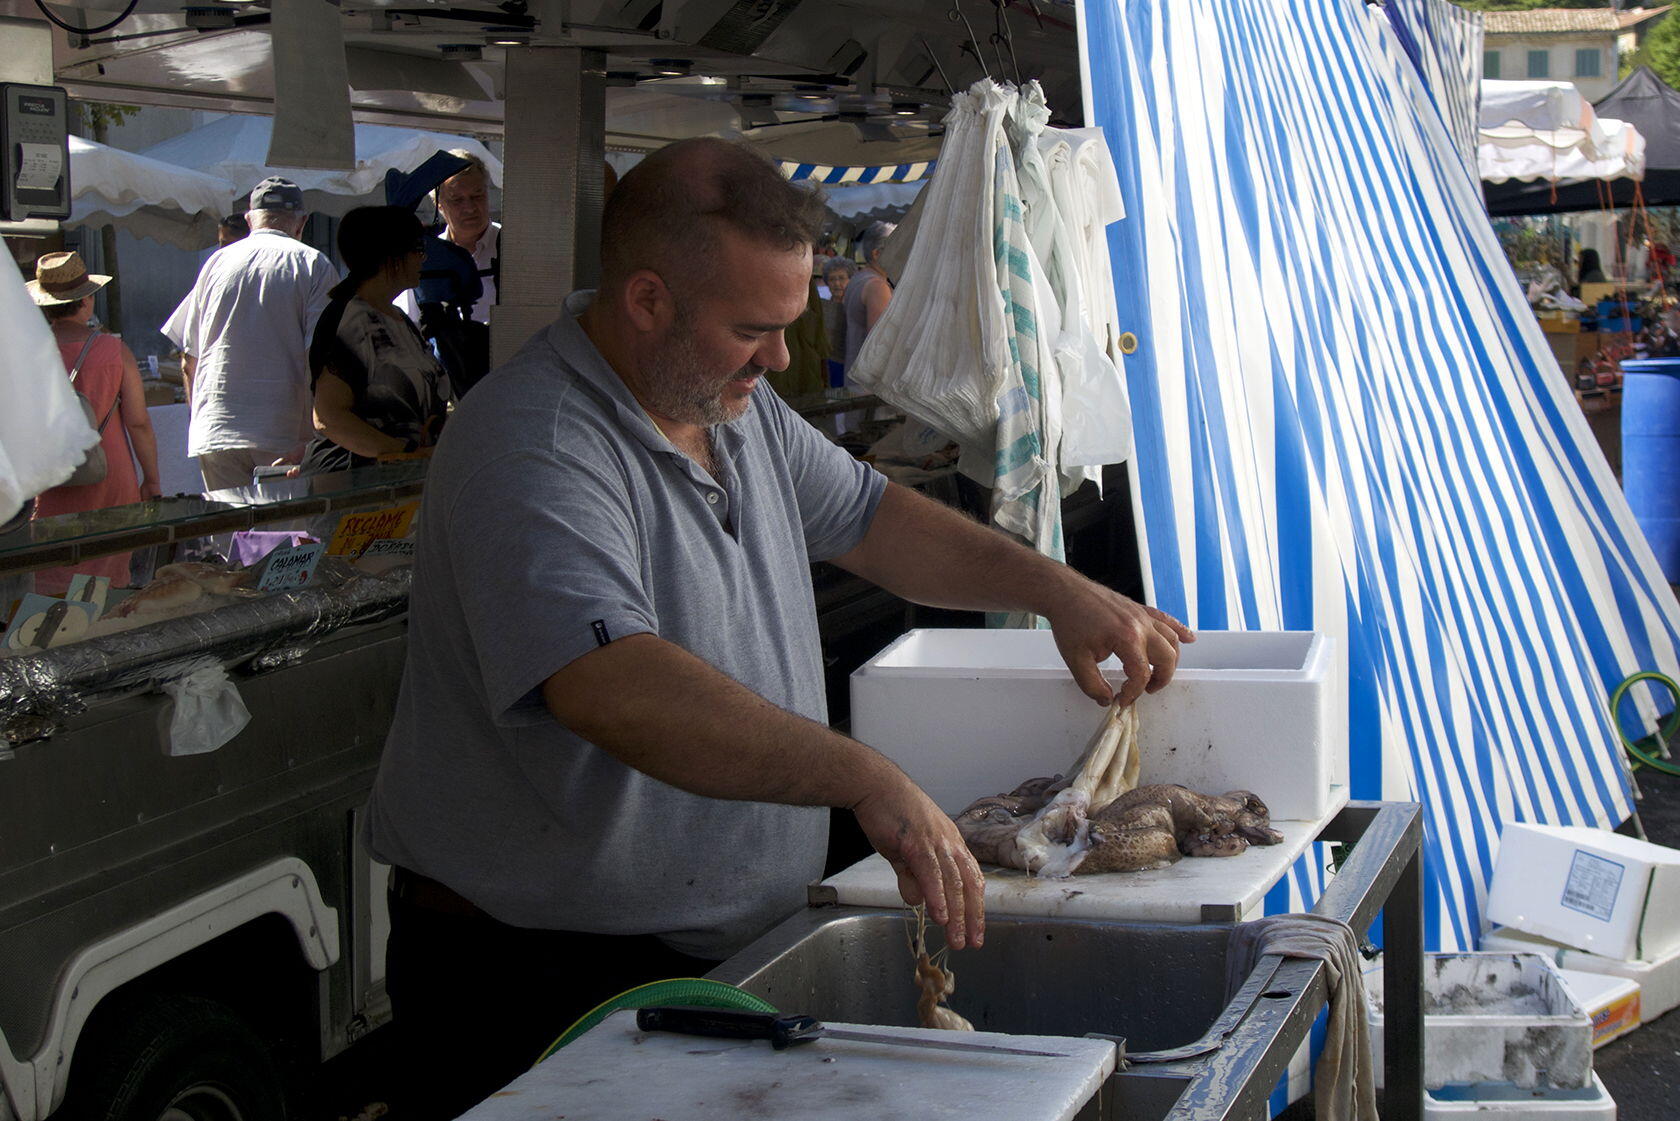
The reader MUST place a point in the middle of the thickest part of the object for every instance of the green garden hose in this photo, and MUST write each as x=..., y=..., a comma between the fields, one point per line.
x=1663, y=735
x=678, y=990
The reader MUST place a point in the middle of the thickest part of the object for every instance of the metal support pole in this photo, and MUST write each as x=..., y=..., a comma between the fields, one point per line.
x=554, y=150
x=1403, y=996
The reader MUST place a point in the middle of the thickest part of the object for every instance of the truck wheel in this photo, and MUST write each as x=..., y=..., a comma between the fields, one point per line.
x=175, y=1058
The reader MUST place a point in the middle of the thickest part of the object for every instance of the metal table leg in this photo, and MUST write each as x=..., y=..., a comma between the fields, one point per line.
x=1403, y=996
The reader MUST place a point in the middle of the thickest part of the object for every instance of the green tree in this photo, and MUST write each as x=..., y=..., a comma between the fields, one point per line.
x=1661, y=51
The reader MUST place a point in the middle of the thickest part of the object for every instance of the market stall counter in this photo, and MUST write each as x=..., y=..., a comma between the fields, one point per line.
x=183, y=896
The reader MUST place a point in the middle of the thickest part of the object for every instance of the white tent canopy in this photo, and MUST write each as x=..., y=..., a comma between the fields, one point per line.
x=236, y=147
x=147, y=197
x=1547, y=130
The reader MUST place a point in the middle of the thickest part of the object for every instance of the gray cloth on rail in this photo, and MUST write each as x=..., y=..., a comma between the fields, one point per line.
x=1345, y=1083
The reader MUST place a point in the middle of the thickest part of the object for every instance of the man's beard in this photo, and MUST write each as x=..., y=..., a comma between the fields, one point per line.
x=683, y=390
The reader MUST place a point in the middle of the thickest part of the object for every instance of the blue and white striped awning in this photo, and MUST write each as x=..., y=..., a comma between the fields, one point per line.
x=1348, y=420
x=842, y=176
x=1444, y=42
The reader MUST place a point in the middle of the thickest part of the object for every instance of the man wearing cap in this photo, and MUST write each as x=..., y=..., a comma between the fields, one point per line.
x=245, y=330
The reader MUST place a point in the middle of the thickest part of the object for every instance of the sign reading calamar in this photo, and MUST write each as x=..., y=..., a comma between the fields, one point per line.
x=356, y=532
x=289, y=566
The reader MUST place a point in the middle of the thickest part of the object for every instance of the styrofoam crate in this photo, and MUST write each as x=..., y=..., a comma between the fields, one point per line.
x=1588, y=888
x=1659, y=981
x=1504, y=1102
x=969, y=713
x=1612, y=1002
x=1494, y=1017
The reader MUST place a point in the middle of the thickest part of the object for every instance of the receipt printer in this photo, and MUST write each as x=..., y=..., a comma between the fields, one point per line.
x=35, y=137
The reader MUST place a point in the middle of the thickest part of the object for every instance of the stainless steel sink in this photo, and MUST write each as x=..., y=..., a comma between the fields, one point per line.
x=1157, y=985
x=1160, y=987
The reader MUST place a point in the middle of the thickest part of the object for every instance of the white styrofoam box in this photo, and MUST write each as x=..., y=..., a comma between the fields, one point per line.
x=1659, y=981
x=1588, y=888
x=1612, y=1002
x=1494, y=1017
x=969, y=713
x=1504, y=1102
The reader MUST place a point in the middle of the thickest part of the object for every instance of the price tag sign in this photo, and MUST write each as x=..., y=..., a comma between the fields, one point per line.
x=356, y=532
x=387, y=547
x=290, y=566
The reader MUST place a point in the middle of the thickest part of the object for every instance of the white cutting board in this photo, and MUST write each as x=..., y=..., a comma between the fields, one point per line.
x=1235, y=884
x=617, y=1073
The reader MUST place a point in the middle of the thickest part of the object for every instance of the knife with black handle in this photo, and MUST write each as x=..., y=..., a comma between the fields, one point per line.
x=784, y=1031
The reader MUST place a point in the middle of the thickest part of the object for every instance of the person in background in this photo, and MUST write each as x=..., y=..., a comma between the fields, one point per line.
x=109, y=378
x=836, y=274
x=244, y=330
x=463, y=202
x=231, y=229
x=1587, y=268
x=377, y=386
x=868, y=292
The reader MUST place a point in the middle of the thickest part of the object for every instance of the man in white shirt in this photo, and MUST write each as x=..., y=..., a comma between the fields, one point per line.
x=245, y=329
x=463, y=201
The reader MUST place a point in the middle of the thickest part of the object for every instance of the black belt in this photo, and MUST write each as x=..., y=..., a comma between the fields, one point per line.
x=429, y=895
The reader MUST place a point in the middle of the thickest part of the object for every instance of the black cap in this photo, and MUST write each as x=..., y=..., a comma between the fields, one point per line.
x=275, y=193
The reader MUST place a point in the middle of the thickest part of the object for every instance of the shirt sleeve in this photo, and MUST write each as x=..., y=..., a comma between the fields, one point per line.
x=322, y=277
x=548, y=565
x=837, y=494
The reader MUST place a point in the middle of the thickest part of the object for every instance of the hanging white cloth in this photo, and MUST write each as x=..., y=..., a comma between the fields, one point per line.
x=43, y=432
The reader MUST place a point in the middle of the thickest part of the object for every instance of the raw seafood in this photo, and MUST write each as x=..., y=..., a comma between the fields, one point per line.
x=1149, y=827
x=1102, y=821
x=935, y=980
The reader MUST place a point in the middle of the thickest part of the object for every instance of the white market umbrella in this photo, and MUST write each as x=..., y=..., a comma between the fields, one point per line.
x=145, y=196
x=236, y=147
x=1608, y=150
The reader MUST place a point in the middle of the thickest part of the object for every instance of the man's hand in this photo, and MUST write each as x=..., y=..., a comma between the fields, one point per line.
x=1091, y=622
x=933, y=864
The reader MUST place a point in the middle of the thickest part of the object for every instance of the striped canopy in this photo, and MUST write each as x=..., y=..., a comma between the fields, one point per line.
x=878, y=173
x=1348, y=420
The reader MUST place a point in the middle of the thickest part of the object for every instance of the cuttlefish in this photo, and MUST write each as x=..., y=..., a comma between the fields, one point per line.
x=1145, y=828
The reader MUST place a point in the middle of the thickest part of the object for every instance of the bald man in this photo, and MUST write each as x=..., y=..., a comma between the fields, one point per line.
x=611, y=760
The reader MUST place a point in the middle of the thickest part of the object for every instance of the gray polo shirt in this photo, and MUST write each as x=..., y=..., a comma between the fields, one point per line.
x=557, y=518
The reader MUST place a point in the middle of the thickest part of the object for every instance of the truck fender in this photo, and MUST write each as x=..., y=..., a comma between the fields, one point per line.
x=285, y=887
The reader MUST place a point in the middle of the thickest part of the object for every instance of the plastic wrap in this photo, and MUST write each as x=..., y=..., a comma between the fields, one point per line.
x=39, y=691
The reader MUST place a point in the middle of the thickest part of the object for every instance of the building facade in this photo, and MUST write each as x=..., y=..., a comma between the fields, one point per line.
x=1579, y=45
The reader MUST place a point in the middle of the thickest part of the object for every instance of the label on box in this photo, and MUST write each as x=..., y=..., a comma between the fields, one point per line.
x=1593, y=885
x=1616, y=1019
x=290, y=566
x=356, y=531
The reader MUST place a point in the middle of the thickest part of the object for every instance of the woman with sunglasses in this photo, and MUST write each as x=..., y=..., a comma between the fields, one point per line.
x=378, y=389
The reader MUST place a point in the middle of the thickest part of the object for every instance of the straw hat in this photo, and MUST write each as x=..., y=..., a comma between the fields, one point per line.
x=62, y=278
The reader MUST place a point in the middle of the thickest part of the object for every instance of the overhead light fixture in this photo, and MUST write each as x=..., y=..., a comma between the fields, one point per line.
x=905, y=109
x=202, y=17
x=671, y=67
x=461, y=52
x=498, y=38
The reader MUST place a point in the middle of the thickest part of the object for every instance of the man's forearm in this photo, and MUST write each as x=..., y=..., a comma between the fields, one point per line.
x=658, y=708
x=928, y=553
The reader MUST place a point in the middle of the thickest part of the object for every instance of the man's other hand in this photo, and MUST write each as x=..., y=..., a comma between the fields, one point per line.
x=933, y=864
x=1091, y=622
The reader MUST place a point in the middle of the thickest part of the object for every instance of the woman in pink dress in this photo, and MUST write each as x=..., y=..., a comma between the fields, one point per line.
x=109, y=377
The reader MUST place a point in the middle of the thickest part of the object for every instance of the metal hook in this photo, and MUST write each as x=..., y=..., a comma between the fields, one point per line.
x=950, y=89
x=1000, y=33
x=972, y=46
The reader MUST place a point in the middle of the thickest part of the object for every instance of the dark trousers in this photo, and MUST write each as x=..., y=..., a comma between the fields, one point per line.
x=475, y=1001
